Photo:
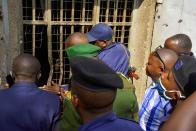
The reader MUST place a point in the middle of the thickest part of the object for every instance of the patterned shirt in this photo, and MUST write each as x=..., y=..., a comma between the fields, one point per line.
x=154, y=109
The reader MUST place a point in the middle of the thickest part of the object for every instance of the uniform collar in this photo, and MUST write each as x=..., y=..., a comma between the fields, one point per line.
x=24, y=84
x=101, y=120
x=110, y=46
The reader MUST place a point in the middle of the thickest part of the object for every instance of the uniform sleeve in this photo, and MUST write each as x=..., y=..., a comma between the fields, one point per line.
x=57, y=115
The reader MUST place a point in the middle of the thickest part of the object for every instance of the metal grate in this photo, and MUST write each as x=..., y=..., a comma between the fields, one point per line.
x=47, y=24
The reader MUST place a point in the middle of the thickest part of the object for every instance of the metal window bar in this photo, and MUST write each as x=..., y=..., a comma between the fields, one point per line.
x=123, y=20
x=60, y=18
x=111, y=11
x=115, y=19
x=27, y=9
x=107, y=11
x=49, y=42
x=56, y=52
x=39, y=9
x=83, y=14
x=33, y=34
x=61, y=45
x=89, y=10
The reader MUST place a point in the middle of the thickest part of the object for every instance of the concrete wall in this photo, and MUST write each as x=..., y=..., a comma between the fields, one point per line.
x=141, y=37
x=10, y=34
x=2, y=47
x=172, y=17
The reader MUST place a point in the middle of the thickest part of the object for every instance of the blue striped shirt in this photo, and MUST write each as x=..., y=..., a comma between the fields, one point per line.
x=154, y=110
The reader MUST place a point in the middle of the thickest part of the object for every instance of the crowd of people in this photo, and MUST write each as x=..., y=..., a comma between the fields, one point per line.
x=101, y=95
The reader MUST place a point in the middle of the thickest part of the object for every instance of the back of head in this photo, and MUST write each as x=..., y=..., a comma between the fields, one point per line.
x=168, y=57
x=87, y=50
x=94, y=83
x=182, y=44
x=26, y=66
x=76, y=39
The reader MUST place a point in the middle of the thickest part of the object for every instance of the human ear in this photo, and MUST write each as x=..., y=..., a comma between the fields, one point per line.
x=163, y=75
x=160, y=71
x=13, y=75
x=39, y=75
x=104, y=45
x=161, y=68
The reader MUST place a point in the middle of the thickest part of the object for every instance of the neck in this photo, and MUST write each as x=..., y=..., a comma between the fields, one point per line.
x=23, y=79
x=109, y=42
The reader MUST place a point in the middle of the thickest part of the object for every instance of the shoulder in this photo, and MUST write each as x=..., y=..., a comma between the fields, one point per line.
x=47, y=93
x=4, y=93
x=119, y=46
x=151, y=93
x=115, y=46
x=48, y=96
x=130, y=124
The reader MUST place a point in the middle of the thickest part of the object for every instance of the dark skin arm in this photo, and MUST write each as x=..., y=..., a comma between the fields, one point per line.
x=56, y=89
x=184, y=116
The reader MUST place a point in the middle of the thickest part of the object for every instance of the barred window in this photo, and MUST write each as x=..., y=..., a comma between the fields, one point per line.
x=47, y=24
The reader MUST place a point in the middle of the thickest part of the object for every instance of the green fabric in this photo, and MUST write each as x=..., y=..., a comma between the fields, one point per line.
x=70, y=120
x=87, y=50
x=125, y=104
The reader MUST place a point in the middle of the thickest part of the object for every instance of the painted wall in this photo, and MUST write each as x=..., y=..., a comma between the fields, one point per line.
x=172, y=17
x=3, y=45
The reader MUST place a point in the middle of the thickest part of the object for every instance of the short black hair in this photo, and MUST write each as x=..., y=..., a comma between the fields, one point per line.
x=184, y=42
x=26, y=65
x=92, y=100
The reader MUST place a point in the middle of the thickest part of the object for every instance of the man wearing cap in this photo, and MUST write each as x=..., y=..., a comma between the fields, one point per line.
x=93, y=93
x=181, y=85
x=114, y=54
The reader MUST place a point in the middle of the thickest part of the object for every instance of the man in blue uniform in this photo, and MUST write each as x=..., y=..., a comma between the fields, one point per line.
x=25, y=107
x=114, y=54
x=93, y=93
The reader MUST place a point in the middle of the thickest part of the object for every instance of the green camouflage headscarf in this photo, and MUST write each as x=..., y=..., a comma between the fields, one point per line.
x=87, y=50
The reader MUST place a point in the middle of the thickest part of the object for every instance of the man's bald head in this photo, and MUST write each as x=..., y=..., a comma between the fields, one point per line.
x=168, y=57
x=180, y=43
x=26, y=65
x=76, y=39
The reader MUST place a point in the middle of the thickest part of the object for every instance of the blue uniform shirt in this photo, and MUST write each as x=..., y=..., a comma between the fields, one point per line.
x=116, y=56
x=110, y=122
x=154, y=110
x=24, y=107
